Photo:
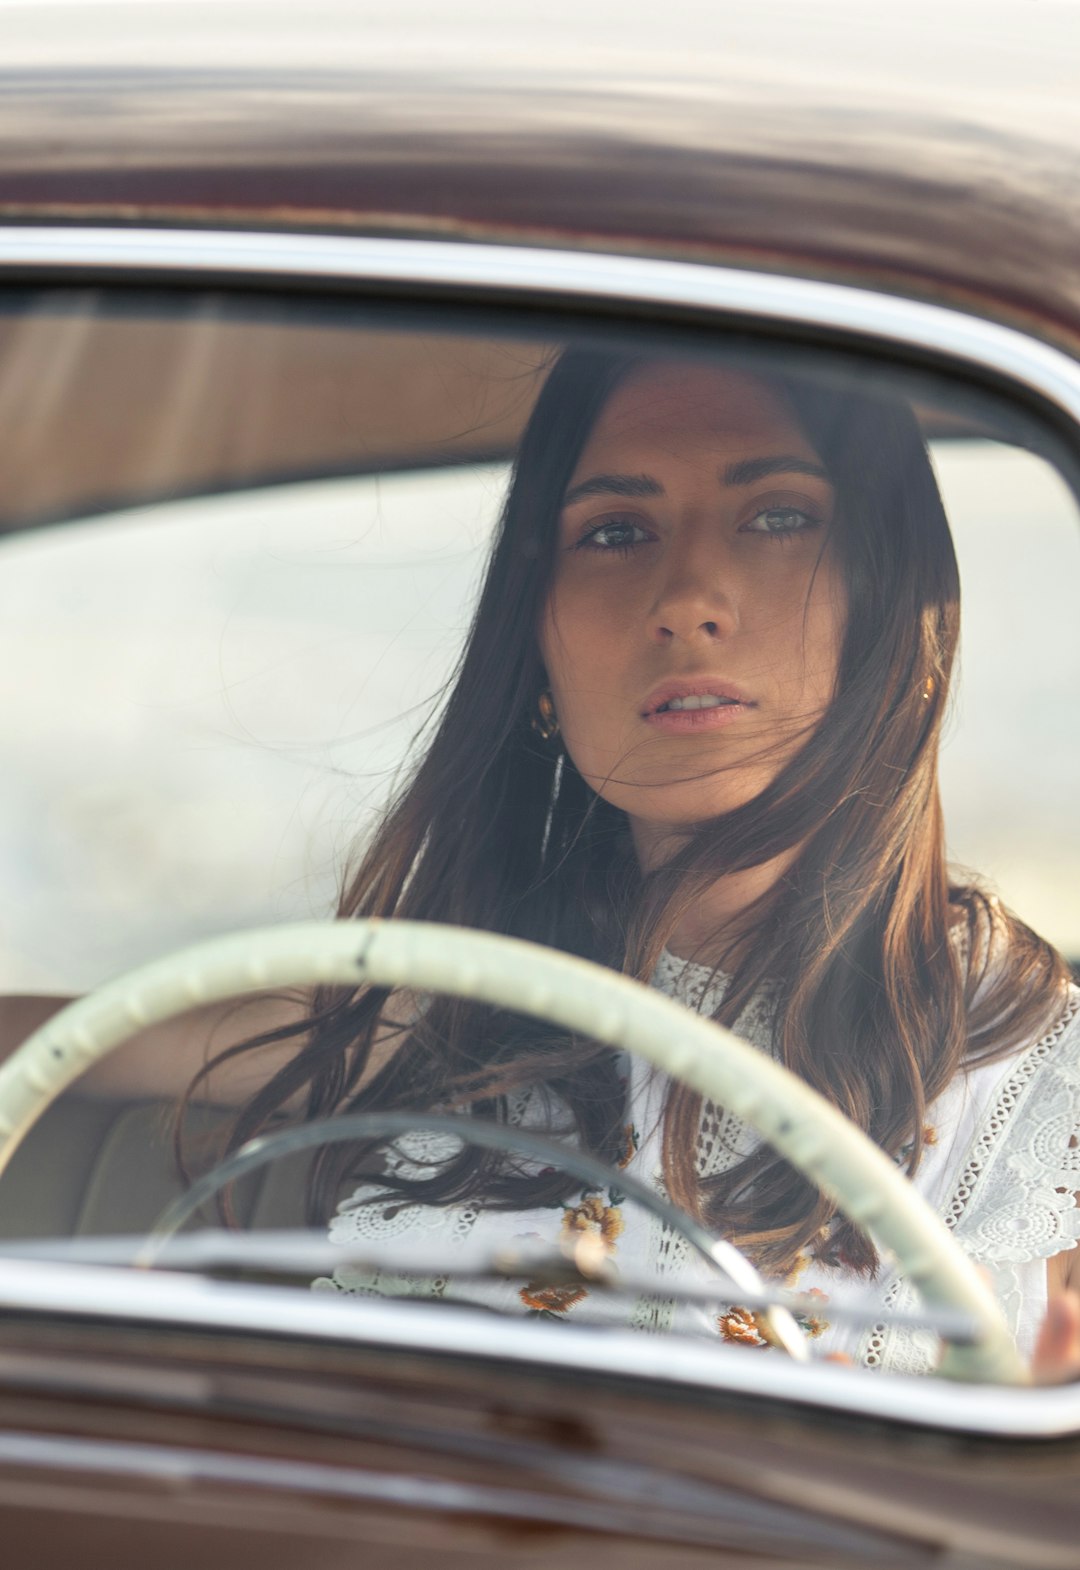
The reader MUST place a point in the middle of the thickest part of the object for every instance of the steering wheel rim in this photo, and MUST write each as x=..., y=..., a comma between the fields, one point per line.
x=509, y=973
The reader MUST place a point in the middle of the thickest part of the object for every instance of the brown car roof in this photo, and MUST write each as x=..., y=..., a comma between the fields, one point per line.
x=932, y=149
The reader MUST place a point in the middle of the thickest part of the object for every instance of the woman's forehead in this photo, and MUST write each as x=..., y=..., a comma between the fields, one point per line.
x=671, y=404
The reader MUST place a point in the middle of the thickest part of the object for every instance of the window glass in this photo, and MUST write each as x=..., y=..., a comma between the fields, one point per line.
x=220, y=692
x=210, y=695
x=244, y=546
x=1011, y=759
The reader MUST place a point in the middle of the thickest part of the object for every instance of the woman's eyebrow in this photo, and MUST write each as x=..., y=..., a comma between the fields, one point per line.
x=614, y=485
x=750, y=470
x=746, y=472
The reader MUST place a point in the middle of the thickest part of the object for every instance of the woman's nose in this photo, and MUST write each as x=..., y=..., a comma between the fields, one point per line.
x=693, y=605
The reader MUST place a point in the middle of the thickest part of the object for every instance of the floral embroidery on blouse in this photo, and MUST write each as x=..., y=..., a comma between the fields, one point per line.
x=741, y=1325
x=592, y=1216
x=550, y=1302
x=593, y=1219
x=812, y=1324
x=749, y=1329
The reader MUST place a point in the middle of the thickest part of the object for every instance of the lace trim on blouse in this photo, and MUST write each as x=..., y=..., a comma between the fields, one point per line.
x=1011, y=1200
x=1003, y=1173
x=1002, y=1170
x=1015, y=1198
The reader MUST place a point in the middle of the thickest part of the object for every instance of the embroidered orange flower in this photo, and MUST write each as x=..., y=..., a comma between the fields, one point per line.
x=630, y=1146
x=551, y=1300
x=593, y=1216
x=740, y=1325
x=590, y=1226
x=813, y=1324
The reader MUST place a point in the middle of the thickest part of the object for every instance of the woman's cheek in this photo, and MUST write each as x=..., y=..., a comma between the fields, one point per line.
x=571, y=641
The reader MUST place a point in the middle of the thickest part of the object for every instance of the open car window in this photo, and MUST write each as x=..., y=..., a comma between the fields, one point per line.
x=242, y=547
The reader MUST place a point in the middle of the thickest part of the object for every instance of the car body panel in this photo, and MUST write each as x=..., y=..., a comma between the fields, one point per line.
x=394, y=1445
x=932, y=152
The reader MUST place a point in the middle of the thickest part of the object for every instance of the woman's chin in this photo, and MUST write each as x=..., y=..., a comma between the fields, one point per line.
x=675, y=809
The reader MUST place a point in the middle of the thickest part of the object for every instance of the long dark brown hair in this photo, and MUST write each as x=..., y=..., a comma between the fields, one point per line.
x=883, y=978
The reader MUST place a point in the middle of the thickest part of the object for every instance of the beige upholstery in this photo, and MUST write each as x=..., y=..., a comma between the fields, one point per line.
x=98, y=1167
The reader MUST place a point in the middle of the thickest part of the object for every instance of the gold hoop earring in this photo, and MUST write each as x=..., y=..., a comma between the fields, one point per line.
x=545, y=722
x=928, y=689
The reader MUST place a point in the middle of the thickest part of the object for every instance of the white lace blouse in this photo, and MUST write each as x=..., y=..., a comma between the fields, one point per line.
x=1000, y=1166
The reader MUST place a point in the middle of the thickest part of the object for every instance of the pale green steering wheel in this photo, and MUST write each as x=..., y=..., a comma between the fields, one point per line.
x=424, y=957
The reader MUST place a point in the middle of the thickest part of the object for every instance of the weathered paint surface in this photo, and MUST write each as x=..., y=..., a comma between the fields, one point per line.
x=936, y=153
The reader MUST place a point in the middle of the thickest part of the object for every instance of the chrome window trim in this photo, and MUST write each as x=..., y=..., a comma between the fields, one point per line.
x=161, y=1299
x=556, y=276
x=553, y=277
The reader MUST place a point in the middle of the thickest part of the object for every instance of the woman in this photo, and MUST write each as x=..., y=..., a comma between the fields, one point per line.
x=694, y=737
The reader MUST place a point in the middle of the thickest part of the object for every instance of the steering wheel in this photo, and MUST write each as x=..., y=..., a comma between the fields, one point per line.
x=261, y=1151
x=810, y=1133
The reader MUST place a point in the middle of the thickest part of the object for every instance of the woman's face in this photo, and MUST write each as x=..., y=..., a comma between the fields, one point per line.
x=693, y=629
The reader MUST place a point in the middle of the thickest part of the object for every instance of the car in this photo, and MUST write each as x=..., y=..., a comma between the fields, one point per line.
x=280, y=288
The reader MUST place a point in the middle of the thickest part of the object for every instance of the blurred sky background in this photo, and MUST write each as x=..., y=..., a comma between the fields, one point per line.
x=204, y=703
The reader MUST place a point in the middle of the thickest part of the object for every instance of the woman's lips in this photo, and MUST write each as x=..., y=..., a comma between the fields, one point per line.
x=692, y=705
x=690, y=721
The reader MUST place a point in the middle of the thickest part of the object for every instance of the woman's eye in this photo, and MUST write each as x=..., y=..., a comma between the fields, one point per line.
x=779, y=520
x=616, y=535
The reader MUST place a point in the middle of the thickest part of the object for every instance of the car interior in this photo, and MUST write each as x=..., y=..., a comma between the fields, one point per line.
x=240, y=538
